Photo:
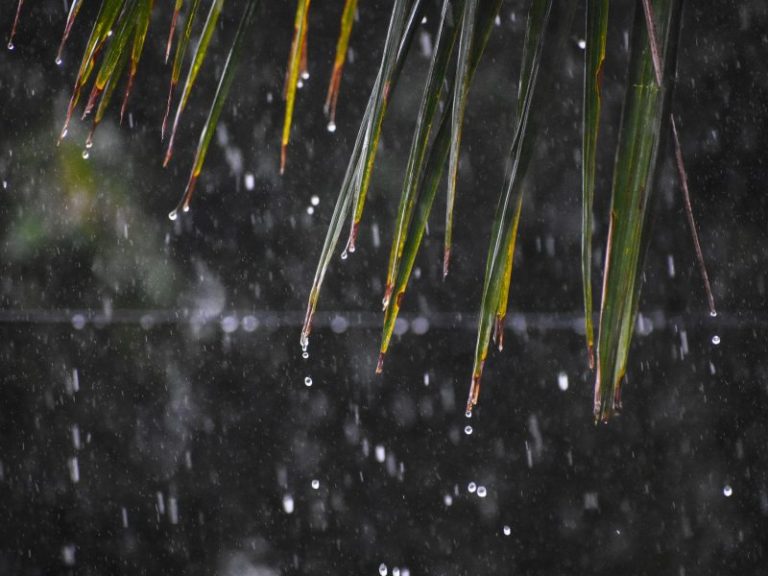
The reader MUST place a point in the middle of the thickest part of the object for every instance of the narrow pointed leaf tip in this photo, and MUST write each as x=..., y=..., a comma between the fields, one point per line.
x=461, y=91
x=342, y=46
x=298, y=53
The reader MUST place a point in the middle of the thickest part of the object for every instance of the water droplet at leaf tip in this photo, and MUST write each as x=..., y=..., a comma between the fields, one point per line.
x=172, y=215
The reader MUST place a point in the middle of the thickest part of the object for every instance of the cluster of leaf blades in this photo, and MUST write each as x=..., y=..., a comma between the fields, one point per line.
x=436, y=143
x=116, y=42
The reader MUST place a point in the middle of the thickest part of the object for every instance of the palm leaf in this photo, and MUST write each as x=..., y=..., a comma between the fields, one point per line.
x=174, y=19
x=429, y=177
x=645, y=109
x=74, y=9
x=347, y=20
x=194, y=69
x=105, y=19
x=222, y=90
x=450, y=18
x=106, y=97
x=117, y=45
x=298, y=47
x=178, y=61
x=461, y=90
x=679, y=161
x=380, y=96
x=597, y=34
x=353, y=172
x=507, y=217
x=19, y=6
x=144, y=15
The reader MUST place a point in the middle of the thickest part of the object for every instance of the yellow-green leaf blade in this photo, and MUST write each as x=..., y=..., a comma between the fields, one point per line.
x=292, y=79
x=342, y=45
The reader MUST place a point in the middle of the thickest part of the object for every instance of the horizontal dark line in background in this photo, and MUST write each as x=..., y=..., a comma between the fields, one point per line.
x=340, y=321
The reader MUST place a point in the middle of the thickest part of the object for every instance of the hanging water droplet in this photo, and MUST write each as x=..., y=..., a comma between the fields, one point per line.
x=383, y=569
x=11, y=46
x=468, y=430
x=315, y=200
x=507, y=530
x=562, y=381
x=288, y=504
x=307, y=381
x=468, y=414
x=89, y=143
x=315, y=484
x=715, y=339
x=471, y=487
x=331, y=126
x=447, y=499
x=305, y=354
x=305, y=75
x=727, y=491
x=713, y=313
x=86, y=155
x=582, y=43
x=172, y=215
x=58, y=61
x=482, y=492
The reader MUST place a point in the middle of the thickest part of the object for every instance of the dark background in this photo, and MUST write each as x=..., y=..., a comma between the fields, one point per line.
x=154, y=416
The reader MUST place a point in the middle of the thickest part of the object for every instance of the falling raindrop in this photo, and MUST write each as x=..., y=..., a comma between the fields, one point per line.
x=482, y=492
x=288, y=504
x=468, y=430
x=472, y=488
x=507, y=530
x=307, y=381
x=715, y=339
x=562, y=381
x=727, y=491
x=315, y=484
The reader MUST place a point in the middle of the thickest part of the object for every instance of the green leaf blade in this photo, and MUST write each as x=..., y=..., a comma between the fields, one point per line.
x=597, y=34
